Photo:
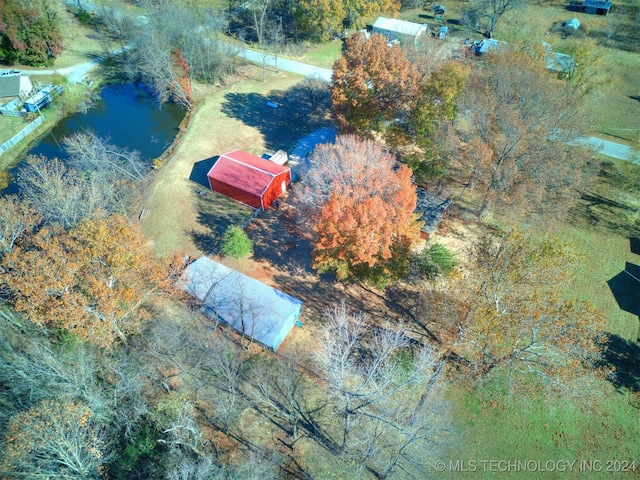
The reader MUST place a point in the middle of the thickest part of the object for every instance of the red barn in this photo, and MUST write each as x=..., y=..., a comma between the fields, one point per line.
x=251, y=180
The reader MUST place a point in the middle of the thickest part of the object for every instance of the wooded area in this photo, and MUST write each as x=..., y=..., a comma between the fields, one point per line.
x=108, y=370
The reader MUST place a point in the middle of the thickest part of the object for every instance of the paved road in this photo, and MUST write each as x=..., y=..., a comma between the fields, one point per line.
x=74, y=74
x=611, y=149
x=77, y=73
x=288, y=65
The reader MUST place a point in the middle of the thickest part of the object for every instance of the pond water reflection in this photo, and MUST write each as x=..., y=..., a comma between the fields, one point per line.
x=125, y=113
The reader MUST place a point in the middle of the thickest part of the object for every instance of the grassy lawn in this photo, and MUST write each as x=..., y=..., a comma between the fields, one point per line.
x=217, y=213
x=178, y=218
x=81, y=41
x=9, y=126
x=489, y=427
x=605, y=257
x=601, y=227
x=80, y=45
x=323, y=55
x=493, y=430
x=617, y=103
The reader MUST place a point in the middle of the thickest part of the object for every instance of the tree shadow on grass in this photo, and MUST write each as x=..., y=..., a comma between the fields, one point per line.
x=276, y=239
x=301, y=109
x=624, y=356
x=602, y=214
x=216, y=213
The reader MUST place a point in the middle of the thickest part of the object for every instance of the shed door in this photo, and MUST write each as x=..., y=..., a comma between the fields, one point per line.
x=284, y=186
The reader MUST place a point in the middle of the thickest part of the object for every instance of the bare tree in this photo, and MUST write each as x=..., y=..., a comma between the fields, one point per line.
x=33, y=369
x=116, y=26
x=157, y=67
x=183, y=431
x=105, y=178
x=95, y=155
x=491, y=10
x=260, y=12
x=16, y=218
x=53, y=439
x=128, y=385
x=252, y=466
x=275, y=40
x=53, y=407
x=225, y=363
x=194, y=33
x=381, y=392
x=59, y=194
x=280, y=391
x=186, y=467
x=517, y=135
x=204, y=362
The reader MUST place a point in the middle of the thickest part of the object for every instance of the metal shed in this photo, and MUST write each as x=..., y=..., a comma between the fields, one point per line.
x=399, y=30
x=250, y=307
x=596, y=7
x=249, y=179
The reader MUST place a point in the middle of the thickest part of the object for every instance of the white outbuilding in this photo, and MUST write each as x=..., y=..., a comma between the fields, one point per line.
x=399, y=30
x=252, y=308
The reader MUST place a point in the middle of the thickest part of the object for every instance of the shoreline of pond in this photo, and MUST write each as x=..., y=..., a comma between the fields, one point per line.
x=126, y=110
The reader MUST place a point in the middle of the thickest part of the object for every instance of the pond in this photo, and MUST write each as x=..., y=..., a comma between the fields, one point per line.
x=126, y=114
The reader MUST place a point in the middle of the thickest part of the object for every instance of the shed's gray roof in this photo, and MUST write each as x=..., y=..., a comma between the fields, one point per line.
x=487, y=45
x=430, y=208
x=9, y=84
x=240, y=301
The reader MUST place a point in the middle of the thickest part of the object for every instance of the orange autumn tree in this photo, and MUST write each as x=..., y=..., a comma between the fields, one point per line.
x=90, y=281
x=180, y=88
x=361, y=210
x=374, y=85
